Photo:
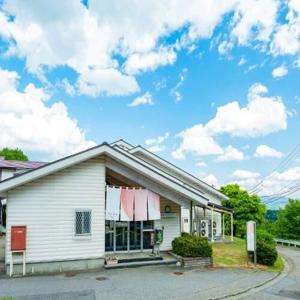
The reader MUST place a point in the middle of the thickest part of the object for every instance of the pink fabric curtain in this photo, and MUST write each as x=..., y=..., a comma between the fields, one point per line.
x=127, y=199
x=153, y=206
x=140, y=202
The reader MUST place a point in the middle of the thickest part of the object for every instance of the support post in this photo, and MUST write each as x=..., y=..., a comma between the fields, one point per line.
x=223, y=226
x=231, y=219
x=191, y=218
x=212, y=225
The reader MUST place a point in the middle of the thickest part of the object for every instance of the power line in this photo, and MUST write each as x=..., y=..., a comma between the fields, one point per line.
x=295, y=153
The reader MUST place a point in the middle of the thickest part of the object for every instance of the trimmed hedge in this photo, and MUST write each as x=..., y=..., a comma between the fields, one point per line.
x=188, y=245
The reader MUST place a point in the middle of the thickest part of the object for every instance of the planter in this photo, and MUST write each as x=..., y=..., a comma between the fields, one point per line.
x=196, y=262
x=203, y=262
x=112, y=261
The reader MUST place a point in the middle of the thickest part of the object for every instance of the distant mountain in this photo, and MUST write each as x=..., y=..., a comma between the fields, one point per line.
x=272, y=215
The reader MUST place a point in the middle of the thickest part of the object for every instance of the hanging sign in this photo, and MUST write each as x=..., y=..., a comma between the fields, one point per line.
x=251, y=236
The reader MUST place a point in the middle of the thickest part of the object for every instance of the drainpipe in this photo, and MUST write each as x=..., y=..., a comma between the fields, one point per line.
x=212, y=224
x=191, y=218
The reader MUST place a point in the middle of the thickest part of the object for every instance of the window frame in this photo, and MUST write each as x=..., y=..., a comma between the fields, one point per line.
x=82, y=235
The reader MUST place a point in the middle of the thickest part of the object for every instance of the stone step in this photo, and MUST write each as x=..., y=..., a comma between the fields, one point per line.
x=139, y=259
x=138, y=264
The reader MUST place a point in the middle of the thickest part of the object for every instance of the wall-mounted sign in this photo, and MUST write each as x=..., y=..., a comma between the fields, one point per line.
x=251, y=236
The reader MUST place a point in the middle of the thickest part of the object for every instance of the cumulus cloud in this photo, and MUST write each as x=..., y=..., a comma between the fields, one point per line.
x=280, y=72
x=139, y=62
x=156, y=144
x=145, y=99
x=266, y=151
x=212, y=180
x=287, y=36
x=261, y=116
x=254, y=20
x=231, y=153
x=28, y=122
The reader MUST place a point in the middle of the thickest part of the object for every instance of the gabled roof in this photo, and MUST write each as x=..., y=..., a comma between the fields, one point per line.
x=189, y=177
x=116, y=153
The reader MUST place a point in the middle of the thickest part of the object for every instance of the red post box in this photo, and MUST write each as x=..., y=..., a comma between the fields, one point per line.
x=18, y=238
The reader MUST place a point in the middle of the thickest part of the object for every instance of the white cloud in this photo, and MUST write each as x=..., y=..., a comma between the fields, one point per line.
x=198, y=141
x=242, y=61
x=246, y=179
x=245, y=174
x=254, y=20
x=261, y=116
x=281, y=182
x=111, y=82
x=212, y=180
x=266, y=151
x=42, y=34
x=156, y=144
x=175, y=91
x=201, y=164
x=139, y=62
x=145, y=99
x=231, y=153
x=225, y=47
x=287, y=36
x=280, y=72
x=27, y=122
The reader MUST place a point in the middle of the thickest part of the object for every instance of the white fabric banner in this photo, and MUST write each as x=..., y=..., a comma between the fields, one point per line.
x=113, y=196
x=153, y=206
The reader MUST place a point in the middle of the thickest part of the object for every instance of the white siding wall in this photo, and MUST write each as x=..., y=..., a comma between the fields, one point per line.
x=47, y=206
x=171, y=224
x=6, y=173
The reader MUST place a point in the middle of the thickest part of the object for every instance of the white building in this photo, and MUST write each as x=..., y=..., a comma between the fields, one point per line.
x=63, y=205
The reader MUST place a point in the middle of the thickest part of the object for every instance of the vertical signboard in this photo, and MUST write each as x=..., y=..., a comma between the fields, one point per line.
x=251, y=238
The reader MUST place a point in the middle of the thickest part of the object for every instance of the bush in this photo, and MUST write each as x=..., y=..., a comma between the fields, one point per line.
x=266, y=253
x=191, y=246
x=265, y=236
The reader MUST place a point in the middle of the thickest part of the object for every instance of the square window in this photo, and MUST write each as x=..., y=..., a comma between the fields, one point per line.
x=83, y=222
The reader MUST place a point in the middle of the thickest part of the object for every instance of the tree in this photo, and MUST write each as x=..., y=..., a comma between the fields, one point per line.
x=287, y=225
x=246, y=208
x=13, y=154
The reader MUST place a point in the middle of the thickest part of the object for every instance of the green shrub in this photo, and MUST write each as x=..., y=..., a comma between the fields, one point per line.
x=191, y=246
x=265, y=236
x=266, y=253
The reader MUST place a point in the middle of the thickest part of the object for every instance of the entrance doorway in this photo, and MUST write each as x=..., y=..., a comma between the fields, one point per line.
x=128, y=236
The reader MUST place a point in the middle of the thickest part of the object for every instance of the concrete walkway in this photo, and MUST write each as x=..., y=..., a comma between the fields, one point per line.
x=143, y=283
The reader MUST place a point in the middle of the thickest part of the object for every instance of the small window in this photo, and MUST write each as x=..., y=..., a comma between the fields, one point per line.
x=83, y=222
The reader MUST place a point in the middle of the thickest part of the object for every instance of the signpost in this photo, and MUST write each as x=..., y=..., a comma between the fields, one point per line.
x=251, y=239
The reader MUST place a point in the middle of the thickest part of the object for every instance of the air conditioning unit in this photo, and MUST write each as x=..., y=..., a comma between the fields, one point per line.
x=204, y=228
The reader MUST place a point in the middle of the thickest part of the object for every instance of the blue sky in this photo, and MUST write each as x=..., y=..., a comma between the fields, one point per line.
x=213, y=87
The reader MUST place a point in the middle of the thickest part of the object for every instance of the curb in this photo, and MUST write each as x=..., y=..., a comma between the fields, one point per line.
x=256, y=288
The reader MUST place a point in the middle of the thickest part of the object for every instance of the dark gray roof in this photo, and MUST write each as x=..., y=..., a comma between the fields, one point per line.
x=20, y=165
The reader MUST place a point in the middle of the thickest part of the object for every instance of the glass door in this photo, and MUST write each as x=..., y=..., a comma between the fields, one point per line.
x=135, y=235
x=126, y=236
x=121, y=236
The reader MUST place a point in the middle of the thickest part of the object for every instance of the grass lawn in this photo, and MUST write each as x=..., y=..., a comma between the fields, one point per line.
x=233, y=255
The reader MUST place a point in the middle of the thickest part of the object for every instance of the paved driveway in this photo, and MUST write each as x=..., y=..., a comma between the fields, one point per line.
x=286, y=288
x=143, y=283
